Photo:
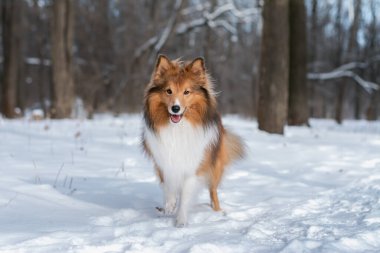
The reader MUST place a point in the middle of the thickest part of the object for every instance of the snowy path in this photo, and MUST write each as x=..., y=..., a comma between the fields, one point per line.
x=84, y=186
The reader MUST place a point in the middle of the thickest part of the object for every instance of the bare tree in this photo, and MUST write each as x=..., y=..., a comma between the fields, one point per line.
x=95, y=49
x=62, y=58
x=298, y=113
x=274, y=67
x=313, y=52
x=11, y=24
x=338, y=61
x=353, y=51
x=372, y=110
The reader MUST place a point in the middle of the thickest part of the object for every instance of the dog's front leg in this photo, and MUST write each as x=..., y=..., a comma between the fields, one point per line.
x=190, y=187
x=170, y=200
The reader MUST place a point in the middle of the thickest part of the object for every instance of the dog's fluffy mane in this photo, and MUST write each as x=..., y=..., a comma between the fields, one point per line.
x=177, y=71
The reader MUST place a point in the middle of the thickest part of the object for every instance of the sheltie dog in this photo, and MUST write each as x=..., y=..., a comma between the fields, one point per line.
x=184, y=135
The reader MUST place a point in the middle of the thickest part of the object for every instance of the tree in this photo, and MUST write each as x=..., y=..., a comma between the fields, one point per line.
x=372, y=109
x=11, y=24
x=62, y=58
x=352, y=51
x=274, y=67
x=95, y=46
x=341, y=88
x=298, y=113
x=41, y=39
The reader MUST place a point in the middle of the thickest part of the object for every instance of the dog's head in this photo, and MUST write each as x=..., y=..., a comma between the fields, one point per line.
x=179, y=90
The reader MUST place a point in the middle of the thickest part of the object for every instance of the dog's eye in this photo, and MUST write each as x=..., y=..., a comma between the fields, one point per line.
x=186, y=92
x=169, y=91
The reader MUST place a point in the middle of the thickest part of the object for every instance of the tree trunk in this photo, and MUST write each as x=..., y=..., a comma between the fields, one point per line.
x=372, y=110
x=357, y=101
x=352, y=46
x=62, y=58
x=353, y=52
x=341, y=88
x=338, y=60
x=41, y=41
x=274, y=67
x=298, y=96
x=353, y=42
x=11, y=23
x=313, y=56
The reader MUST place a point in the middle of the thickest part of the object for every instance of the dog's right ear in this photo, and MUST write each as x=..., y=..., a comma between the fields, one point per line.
x=162, y=65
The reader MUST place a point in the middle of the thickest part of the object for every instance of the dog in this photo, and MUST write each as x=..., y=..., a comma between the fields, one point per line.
x=184, y=135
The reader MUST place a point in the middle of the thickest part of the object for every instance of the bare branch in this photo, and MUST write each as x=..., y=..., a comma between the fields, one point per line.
x=148, y=44
x=211, y=19
x=185, y=27
x=157, y=42
x=194, y=8
x=339, y=73
x=169, y=27
x=345, y=71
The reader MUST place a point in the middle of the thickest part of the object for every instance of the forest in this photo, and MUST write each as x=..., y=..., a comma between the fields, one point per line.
x=291, y=165
x=281, y=62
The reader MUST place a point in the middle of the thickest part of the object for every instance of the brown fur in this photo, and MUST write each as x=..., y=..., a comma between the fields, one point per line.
x=201, y=109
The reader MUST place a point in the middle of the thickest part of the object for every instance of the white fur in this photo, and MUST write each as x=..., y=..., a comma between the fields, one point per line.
x=178, y=149
x=189, y=190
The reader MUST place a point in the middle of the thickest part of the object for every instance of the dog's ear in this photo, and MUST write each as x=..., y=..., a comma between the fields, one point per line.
x=197, y=67
x=162, y=64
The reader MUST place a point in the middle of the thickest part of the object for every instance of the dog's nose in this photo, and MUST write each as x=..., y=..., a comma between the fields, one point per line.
x=176, y=108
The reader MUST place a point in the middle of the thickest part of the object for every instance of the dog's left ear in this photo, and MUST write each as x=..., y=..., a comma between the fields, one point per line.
x=197, y=67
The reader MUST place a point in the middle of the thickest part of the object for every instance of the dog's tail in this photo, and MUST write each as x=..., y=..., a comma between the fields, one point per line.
x=236, y=148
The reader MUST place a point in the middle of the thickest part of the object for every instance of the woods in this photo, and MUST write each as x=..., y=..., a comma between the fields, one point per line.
x=189, y=126
x=280, y=61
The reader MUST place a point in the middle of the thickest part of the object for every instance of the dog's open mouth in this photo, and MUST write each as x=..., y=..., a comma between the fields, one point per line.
x=175, y=118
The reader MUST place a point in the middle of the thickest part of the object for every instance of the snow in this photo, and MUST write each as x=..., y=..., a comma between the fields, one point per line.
x=85, y=186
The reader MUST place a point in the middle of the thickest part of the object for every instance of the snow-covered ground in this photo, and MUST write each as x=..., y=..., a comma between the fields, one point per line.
x=85, y=186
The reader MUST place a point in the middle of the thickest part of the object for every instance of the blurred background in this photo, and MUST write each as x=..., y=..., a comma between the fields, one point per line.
x=70, y=58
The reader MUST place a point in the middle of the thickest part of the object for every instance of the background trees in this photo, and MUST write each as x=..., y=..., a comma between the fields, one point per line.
x=112, y=46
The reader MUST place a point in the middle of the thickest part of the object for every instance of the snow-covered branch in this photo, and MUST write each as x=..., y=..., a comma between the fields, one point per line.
x=197, y=7
x=212, y=19
x=360, y=65
x=169, y=27
x=34, y=61
x=157, y=42
x=343, y=72
x=148, y=44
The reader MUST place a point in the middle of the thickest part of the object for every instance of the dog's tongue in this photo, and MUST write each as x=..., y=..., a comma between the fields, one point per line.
x=175, y=118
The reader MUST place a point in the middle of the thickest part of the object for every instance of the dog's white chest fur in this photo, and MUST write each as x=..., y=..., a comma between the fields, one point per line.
x=178, y=149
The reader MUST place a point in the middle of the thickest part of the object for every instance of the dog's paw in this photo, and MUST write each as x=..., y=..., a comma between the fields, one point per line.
x=180, y=224
x=160, y=209
x=166, y=211
x=180, y=221
x=169, y=208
